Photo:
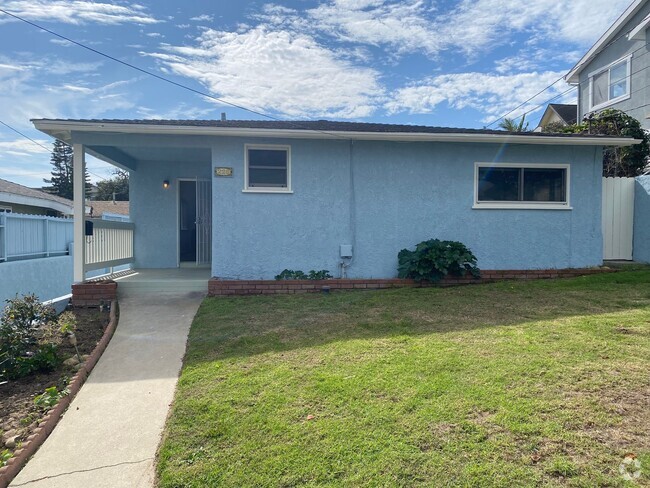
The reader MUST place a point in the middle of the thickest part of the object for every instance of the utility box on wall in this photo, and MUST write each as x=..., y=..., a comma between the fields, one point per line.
x=346, y=250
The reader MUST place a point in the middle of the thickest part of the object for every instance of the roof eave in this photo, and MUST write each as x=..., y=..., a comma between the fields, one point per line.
x=572, y=76
x=63, y=129
x=36, y=202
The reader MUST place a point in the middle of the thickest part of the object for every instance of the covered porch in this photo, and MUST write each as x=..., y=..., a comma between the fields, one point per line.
x=169, y=237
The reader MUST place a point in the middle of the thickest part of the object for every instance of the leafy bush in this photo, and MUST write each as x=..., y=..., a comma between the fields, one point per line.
x=50, y=397
x=289, y=274
x=28, y=338
x=434, y=259
x=617, y=161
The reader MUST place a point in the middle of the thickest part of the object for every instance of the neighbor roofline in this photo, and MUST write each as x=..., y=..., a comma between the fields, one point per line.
x=62, y=129
x=32, y=201
x=572, y=76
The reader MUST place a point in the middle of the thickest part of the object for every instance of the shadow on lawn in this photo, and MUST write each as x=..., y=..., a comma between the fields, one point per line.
x=245, y=326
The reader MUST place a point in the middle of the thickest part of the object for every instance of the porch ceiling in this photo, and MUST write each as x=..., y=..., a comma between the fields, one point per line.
x=128, y=157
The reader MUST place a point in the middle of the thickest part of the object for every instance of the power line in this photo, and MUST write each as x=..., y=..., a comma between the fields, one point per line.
x=167, y=80
x=40, y=145
x=577, y=66
x=25, y=136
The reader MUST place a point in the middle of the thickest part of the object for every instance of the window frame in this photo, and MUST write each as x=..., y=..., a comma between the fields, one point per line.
x=267, y=189
x=608, y=68
x=6, y=208
x=524, y=205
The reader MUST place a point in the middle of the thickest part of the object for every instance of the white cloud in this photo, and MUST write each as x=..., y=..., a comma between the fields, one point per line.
x=203, y=18
x=471, y=26
x=24, y=146
x=78, y=12
x=492, y=95
x=180, y=112
x=281, y=72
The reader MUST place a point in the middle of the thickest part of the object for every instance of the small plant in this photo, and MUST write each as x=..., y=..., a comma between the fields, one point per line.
x=28, y=337
x=323, y=274
x=434, y=259
x=290, y=274
x=67, y=327
x=5, y=456
x=50, y=397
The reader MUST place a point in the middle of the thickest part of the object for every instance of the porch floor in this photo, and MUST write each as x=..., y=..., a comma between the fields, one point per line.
x=164, y=280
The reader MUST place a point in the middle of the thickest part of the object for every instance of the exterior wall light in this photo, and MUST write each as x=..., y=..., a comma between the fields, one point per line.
x=166, y=184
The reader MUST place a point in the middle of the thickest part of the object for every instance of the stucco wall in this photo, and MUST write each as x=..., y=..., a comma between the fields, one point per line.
x=403, y=193
x=154, y=210
x=641, y=247
x=47, y=278
x=640, y=75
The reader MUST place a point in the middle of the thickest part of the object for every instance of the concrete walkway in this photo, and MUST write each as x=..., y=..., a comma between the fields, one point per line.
x=109, y=435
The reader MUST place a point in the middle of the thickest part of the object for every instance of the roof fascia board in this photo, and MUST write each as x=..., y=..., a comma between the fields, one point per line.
x=35, y=202
x=572, y=76
x=57, y=126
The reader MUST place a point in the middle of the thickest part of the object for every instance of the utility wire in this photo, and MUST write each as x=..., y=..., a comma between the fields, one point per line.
x=586, y=82
x=167, y=80
x=561, y=77
x=40, y=145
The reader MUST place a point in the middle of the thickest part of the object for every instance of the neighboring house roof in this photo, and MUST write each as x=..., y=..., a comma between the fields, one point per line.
x=322, y=129
x=605, y=39
x=558, y=112
x=97, y=208
x=11, y=192
x=567, y=112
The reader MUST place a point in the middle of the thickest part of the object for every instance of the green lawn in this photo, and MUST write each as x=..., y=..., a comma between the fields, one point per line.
x=510, y=384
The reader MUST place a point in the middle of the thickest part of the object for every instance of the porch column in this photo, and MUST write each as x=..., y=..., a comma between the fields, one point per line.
x=79, y=187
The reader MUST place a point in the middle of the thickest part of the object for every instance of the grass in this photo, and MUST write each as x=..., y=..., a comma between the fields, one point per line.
x=512, y=384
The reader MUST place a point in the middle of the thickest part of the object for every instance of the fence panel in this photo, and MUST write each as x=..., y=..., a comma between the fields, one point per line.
x=110, y=245
x=618, y=218
x=33, y=236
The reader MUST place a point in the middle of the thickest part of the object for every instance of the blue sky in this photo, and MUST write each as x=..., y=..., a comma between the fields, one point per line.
x=444, y=63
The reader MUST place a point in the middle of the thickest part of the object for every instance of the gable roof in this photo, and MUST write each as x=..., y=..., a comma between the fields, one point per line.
x=605, y=39
x=567, y=112
x=21, y=195
x=318, y=129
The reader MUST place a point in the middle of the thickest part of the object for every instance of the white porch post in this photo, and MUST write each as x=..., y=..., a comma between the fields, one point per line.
x=79, y=185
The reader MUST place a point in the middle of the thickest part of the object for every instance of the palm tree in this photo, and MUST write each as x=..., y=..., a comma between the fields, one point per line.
x=512, y=126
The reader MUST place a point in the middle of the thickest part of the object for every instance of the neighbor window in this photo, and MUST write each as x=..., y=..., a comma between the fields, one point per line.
x=268, y=168
x=610, y=84
x=521, y=186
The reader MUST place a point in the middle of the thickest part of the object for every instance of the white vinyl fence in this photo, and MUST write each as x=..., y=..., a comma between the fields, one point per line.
x=618, y=218
x=110, y=245
x=33, y=236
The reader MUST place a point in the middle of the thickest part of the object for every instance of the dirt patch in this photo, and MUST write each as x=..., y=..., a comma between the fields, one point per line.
x=19, y=416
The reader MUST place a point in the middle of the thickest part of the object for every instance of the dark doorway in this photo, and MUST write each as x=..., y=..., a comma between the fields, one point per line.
x=187, y=220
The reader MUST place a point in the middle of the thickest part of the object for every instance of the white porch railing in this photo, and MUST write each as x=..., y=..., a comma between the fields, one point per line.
x=110, y=245
x=33, y=236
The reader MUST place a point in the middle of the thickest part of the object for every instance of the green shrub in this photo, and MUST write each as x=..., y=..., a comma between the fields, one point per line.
x=434, y=259
x=290, y=274
x=28, y=338
x=50, y=397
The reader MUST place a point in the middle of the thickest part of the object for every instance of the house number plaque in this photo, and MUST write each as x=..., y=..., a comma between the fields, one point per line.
x=222, y=171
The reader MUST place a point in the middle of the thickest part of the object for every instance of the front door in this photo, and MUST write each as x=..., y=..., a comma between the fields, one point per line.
x=195, y=222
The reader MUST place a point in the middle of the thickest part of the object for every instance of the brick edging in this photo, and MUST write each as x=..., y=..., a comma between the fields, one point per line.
x=221, y=287
x=52, y=417
x=92, y=293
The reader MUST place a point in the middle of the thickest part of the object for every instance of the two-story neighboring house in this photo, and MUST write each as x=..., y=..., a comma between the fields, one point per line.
x=614, y=72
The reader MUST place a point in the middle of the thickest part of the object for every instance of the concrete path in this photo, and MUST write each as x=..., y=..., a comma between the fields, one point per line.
x=109, y=435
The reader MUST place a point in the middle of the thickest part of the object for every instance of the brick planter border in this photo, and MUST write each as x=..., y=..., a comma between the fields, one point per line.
x=92, y=293
x=52, y=417
x=220, y=287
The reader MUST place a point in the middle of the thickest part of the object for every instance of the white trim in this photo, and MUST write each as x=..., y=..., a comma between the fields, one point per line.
x=36, y=202
x=52, y=127
x=262, y=189
x=572, y=76
x=628, y=80
x=522, y=205
x=638, y=33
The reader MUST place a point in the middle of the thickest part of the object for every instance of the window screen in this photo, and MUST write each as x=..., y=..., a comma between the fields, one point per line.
x=267, y=168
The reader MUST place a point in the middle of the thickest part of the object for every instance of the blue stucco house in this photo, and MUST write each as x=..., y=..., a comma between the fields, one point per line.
x=251, y=198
